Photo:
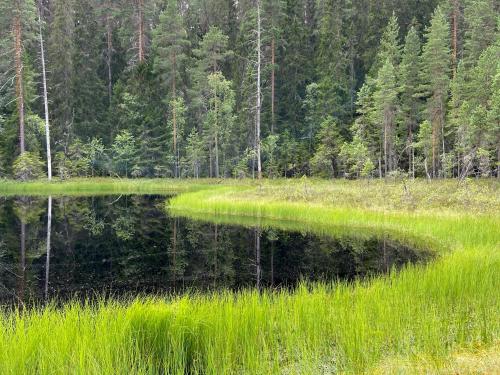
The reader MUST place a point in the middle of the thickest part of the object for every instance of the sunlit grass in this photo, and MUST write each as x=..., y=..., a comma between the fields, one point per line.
x=98, y=186
x=411, y=321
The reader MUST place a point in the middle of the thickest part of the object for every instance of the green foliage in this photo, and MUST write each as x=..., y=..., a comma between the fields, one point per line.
x=195, y=151
x=355, y=158
x=28, y=166
x=124, y=151
x=324, y=162
x=328, y=59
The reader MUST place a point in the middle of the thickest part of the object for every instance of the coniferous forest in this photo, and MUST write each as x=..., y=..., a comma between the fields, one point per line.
x=222, y=88
x=157, y=214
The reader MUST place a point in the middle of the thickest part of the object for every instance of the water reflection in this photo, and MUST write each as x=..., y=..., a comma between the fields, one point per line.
x=87, y=246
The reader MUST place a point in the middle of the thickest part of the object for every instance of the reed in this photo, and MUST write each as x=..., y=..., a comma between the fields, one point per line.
x=417, y=320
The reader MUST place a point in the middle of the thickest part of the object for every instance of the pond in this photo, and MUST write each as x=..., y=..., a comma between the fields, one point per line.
x=129, y=245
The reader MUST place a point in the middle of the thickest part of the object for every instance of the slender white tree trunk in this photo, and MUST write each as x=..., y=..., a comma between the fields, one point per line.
x=45, y=101
x=258, y=106
x=18, y=59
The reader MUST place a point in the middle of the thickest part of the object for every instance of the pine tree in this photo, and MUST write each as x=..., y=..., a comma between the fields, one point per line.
x=481, y=18
x=219, y=118
x=409, y=85
x=88, y=90
x=386, y=107
x=435, y=75
x=169, y=45
x=211, y=54
x=272, y=30
x=333, y=62
x=494, y=117
x=296, y=67
x=389, y=48
x=60, y=59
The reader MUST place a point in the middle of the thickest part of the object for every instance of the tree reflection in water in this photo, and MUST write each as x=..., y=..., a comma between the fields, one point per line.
x=85, y=247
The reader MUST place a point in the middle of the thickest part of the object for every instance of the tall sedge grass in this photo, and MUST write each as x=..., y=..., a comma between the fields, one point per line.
x=421, y=315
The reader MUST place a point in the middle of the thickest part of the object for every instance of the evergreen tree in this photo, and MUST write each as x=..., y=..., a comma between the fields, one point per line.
x=435, y=75
x=333, y=62
x=409, y=85
x=88, y=90
x=61, y=70
x=386, y=107
x=389, y=48
x=481, y=18
x=219, y=119
x=296, y=68
x=169, y=45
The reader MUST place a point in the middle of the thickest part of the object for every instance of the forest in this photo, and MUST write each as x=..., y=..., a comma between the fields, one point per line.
x=273, y=88
x=222, y=187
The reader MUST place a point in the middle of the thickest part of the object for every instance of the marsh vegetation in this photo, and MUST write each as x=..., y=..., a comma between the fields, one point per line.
x=229, y=317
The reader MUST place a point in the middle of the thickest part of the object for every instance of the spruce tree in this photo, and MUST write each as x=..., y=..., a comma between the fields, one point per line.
x=88, y=90
x=332, y=61
x=481, y=19
x=386, y=108
x=169, y=45
x=409, y=86
x=435, y=76
x=61, y=70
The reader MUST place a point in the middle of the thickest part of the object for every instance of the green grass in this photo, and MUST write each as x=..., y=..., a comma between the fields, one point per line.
x=99, y=186
x=423, y=319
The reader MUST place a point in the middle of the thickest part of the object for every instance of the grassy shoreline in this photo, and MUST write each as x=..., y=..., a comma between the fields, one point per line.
x=98, y=186
x=412, y=321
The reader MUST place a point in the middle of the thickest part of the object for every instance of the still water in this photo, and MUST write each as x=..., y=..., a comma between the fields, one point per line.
x=128, y=245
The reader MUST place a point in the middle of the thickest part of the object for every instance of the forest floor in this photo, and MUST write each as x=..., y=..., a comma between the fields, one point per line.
x=441, y=317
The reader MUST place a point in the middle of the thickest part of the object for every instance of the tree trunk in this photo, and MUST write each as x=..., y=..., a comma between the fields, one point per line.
x=273, y=119
x=47, y=263
x=257, y=116
x=385, y=148
x=454, y=36
x=140, y=30
x=216, y=155
x=22, y=264
x=45, y=101
x=174, y=117
x=109, y=53
x=257, y=259
x=18, y=53
x=216, y=135
x=410, y=147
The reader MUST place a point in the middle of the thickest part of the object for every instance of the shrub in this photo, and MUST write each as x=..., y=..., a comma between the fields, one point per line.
x=28, y=166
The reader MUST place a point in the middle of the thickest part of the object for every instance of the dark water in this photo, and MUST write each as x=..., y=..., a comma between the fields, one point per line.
x=124, y=245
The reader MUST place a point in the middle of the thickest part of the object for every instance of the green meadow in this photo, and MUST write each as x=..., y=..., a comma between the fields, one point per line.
x=441, y=317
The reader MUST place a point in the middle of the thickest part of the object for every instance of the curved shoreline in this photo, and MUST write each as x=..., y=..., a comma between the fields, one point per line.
x=413, y=320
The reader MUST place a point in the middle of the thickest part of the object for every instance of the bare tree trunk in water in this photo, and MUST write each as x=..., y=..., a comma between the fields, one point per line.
x=22, y=264
x=18, y=53
x=272, y=263
x=45, y=100
x=257, y=258
x=47, y=263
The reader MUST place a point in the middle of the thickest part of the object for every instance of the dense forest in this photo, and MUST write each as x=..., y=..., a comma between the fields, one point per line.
x=249, y=88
